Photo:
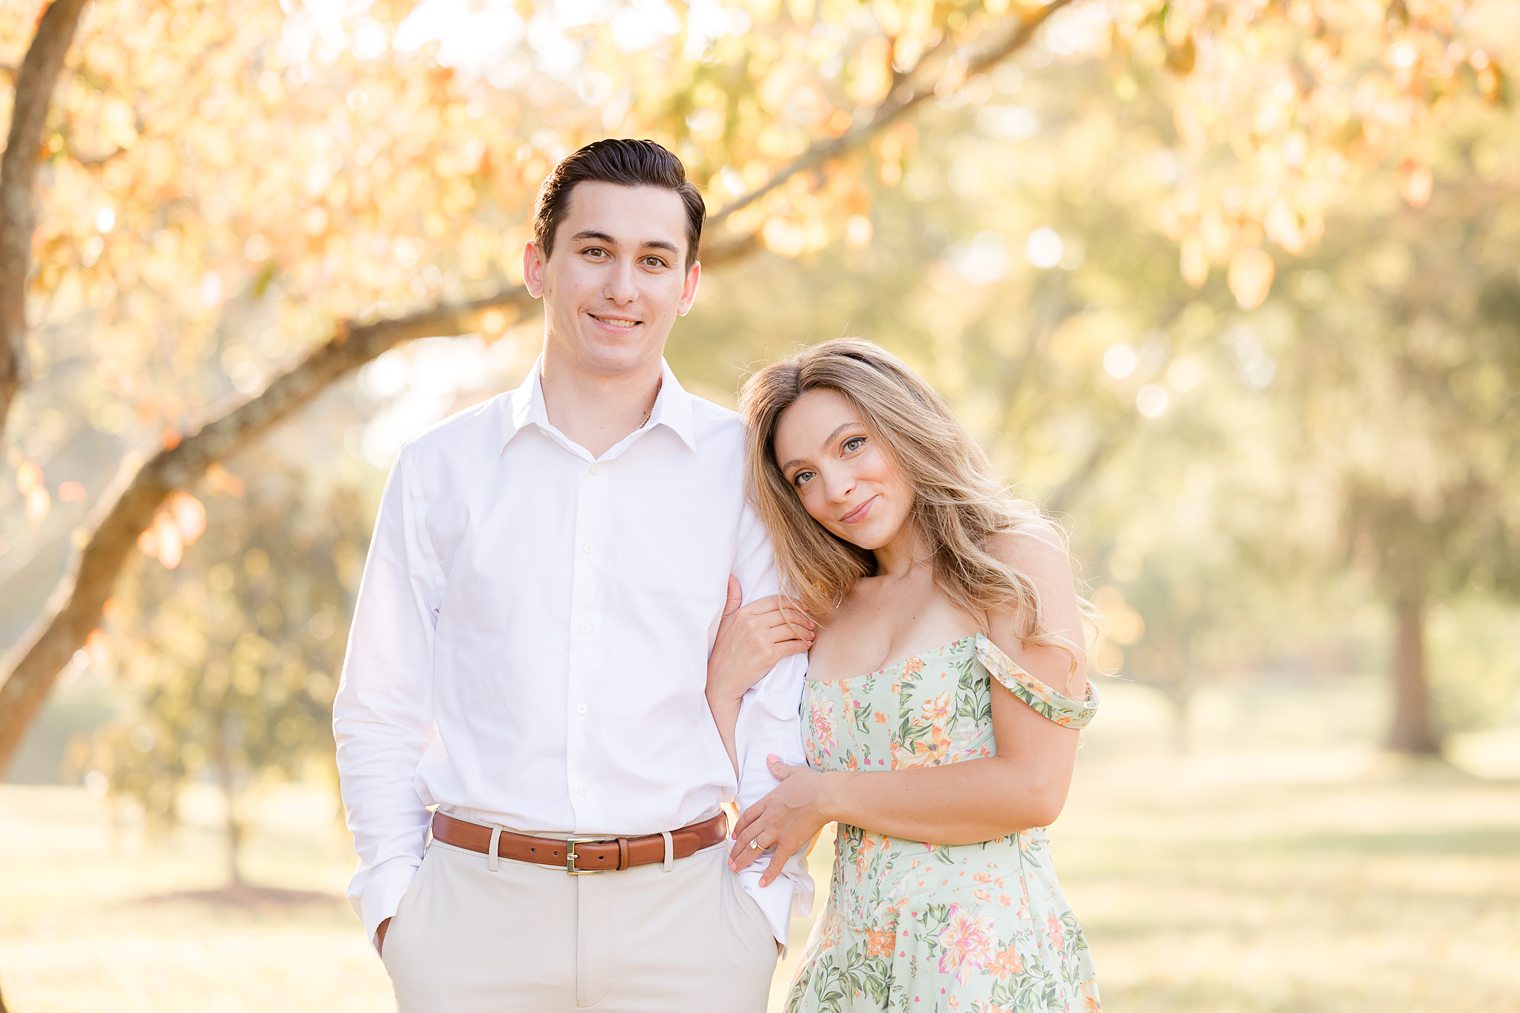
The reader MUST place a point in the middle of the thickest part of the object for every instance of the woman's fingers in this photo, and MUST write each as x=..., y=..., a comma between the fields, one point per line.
x=780, y=855
x=744, y=853
x=746, y=833
x=786, y=648
x=747, y=849
x=783, y=639
x=779, y=608
x=791, y=621
x=759, y=635
x=745, y=828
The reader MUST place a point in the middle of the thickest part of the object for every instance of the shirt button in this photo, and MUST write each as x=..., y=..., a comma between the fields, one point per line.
x=585, y=627
x=580, y=708
x=586, y=548
x=582, y=790
x=592, y=469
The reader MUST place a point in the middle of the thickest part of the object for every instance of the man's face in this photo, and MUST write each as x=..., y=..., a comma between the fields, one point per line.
x=617, y=279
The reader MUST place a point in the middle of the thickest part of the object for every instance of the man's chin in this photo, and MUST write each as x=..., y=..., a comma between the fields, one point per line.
x=620, y=361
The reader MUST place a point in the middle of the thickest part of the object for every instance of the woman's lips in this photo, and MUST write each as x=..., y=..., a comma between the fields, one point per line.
x=859, y=513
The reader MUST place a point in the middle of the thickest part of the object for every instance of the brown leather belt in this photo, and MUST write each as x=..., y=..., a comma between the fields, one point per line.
x=582, y=854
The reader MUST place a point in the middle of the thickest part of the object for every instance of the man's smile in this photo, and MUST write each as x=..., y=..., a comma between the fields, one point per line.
x=620, y=323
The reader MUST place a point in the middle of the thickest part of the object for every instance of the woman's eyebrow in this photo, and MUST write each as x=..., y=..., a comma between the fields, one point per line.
x=827, y=440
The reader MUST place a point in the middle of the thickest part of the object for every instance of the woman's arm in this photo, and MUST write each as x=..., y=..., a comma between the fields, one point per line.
x=1025, y=785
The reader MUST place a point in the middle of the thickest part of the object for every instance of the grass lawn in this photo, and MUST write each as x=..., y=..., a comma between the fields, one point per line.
x=1253, y=879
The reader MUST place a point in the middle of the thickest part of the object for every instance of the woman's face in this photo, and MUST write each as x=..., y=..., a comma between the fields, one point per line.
x=844, y=475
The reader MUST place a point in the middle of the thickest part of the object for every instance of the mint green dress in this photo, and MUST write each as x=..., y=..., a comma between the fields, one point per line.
x=981, y=928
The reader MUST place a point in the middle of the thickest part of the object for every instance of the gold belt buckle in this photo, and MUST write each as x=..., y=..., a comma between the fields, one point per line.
x=570, y=855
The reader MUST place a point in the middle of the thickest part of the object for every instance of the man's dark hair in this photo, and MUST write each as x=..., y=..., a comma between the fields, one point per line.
x=626, y=163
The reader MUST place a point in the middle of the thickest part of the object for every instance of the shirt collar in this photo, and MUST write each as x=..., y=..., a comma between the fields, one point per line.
x=673, y=407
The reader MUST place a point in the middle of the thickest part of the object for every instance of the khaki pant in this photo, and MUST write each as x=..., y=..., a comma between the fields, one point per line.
x=531, y=938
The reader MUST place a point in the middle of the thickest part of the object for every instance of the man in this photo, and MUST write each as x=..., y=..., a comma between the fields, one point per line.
x=529, y=652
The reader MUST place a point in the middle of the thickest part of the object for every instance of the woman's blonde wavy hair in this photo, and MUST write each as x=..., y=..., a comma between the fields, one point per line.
x=958, y=505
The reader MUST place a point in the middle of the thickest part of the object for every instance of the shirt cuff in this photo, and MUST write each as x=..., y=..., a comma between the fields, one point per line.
x=779, y=902
x=381, y=894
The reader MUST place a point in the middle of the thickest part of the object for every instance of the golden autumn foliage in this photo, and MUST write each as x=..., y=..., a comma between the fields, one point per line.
x=231, y=191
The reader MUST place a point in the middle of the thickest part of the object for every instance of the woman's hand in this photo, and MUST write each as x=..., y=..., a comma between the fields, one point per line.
x=785, y=821
x=751, y=640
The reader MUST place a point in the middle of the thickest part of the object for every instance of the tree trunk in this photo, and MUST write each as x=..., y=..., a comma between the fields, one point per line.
x=1182, y=726
x=226, y=777
x=1413, y=730
x=235, y=828
x=39, y=73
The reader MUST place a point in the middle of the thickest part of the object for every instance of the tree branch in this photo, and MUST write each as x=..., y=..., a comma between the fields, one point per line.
x=76, y=607
x=899, y=102
x=18, y=170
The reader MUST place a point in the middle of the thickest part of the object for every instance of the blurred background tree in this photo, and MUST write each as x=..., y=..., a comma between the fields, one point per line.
x=1196, y=442
x=231, y=659
x=1097, y=227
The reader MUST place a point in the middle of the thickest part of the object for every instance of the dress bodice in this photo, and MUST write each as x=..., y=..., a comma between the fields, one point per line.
x=932, y=708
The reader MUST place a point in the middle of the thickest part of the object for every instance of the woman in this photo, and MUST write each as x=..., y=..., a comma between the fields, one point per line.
x=944, y=694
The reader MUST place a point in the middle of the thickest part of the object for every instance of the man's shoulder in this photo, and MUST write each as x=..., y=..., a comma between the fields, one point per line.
x=714, y=421
x=465, y=431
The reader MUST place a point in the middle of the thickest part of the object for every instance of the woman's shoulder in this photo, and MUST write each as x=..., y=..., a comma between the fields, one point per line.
x=1035, y=547
x=1036, y=551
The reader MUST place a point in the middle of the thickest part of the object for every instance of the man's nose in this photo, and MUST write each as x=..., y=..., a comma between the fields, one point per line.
x=620, y=285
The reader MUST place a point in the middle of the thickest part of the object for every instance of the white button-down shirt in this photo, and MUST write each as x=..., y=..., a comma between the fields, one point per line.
x=530, y=642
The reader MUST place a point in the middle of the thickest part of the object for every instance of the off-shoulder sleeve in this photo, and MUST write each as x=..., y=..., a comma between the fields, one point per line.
x=1044, y=700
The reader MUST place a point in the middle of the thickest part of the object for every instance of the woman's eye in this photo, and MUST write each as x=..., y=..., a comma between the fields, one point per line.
x=801, y=477
x=854, y=443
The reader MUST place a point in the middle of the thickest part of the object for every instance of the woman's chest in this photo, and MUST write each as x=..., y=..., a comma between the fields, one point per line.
x=870, y=632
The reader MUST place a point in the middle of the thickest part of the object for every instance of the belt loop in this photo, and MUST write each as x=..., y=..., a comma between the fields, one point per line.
x=493, y=859
x=670, y=852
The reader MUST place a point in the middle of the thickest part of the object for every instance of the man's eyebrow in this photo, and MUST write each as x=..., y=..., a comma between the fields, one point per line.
x=602, y=237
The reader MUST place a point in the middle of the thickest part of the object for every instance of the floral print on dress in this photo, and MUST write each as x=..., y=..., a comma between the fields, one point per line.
x=920, y=927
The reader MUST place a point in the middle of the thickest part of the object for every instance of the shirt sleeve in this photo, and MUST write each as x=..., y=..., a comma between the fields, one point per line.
x=769, y=723
x=383, y=712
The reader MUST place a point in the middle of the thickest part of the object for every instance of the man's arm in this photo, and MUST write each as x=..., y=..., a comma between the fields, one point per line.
x=383, y=713
x=750, y=641
x=769, y=724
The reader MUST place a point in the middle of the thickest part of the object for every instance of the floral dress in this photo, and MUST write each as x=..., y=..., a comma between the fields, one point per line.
x=920, y=927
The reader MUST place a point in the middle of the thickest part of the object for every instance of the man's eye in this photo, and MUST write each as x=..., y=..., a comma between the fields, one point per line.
x=654, y=262
x=594, y=251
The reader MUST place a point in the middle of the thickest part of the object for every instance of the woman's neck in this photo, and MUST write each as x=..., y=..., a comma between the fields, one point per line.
x=907, y=551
